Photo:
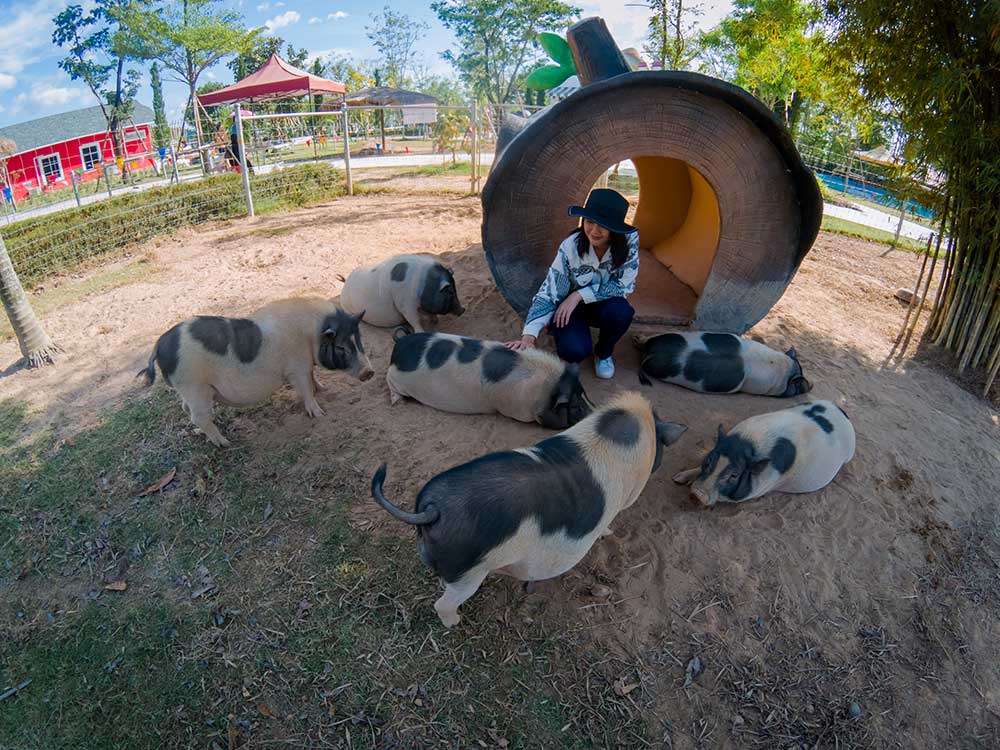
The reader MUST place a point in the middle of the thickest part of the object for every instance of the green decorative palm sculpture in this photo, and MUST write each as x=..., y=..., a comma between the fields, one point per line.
x=549, y=76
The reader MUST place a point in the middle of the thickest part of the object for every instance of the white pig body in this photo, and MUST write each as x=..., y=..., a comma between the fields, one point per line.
x=533, y=513
x=794, y=450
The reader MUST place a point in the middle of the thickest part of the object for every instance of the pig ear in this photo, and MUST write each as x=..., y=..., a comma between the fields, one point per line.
x=759, y=465
x=669, y=432
x=793, y=354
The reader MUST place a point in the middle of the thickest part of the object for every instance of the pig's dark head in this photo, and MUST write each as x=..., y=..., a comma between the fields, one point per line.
x=728, y=471
x=796, y=383
x=667, y=433
x=567, y=403
x=340, y=345
x=440, y=295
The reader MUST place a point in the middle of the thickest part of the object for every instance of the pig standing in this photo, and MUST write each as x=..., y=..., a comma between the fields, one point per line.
x=468, y=376
x=242, y=361
x=794, y=450
x=411, y=289
x=533, y=513
x=720, y=363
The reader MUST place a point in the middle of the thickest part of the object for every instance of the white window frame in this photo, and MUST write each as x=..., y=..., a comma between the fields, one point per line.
x=135, y=136
x=83, y=159
x=43, y=179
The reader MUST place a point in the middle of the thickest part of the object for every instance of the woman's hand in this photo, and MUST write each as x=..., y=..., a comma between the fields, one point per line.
x=565, y=309
x=526, y=342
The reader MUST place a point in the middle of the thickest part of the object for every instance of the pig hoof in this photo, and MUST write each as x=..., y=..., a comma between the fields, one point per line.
x=314, y=410
x=219, y=442
x=450, y=619
x=607, y=532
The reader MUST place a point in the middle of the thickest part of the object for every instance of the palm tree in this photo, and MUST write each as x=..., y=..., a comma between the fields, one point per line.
x=36, y=346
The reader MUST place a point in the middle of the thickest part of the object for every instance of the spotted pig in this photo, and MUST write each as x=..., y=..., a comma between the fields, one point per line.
x=720, y=363
x=800, y=449
x=469, y=376
x=242, y=361
x=533, y=513
x=405, y=289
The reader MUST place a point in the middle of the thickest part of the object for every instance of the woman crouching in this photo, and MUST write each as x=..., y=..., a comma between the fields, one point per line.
x=586, y=287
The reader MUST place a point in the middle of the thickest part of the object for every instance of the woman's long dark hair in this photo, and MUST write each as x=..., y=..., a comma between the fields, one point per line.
x=619, y=246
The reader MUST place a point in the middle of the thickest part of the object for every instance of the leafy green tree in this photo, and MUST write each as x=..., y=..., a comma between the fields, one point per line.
x=935, y=62
x=395, y=35
x=99, y=43
x=447, y=91
x=161, y=131
x=673, y=38
x=188, y=37
x=768, y=47
x=497, y=40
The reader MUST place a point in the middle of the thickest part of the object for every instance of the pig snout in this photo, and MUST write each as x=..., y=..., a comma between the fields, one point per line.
x=362, y=369
x=700, y=497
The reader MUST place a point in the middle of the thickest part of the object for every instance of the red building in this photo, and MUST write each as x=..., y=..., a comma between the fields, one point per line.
x=49, y=148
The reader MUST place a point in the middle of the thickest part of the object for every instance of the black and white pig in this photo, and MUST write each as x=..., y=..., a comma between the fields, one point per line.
x=533, y=513
x=719, y=363
x=242, y=361
x=412, y=289
x=469, y=376
x=800, y=449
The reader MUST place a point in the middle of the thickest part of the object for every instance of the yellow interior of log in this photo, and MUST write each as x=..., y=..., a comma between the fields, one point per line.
x=677, y=218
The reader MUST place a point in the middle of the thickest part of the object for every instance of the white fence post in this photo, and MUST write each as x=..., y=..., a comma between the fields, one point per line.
x=347, y=149
x=475, y=146
x=243, y=160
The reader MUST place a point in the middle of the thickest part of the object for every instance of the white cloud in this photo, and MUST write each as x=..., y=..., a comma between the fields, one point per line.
x=27, y=35
x=629, y=23
x=211, y=76
x=337, y=15
x=285, y=19
x=314, y=20
x=50, y=96
x=328, y=54
x=7, y=82
x=279, y=5
x=263, y=6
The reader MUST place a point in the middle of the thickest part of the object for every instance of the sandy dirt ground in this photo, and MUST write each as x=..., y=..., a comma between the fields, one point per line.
x=807, y=603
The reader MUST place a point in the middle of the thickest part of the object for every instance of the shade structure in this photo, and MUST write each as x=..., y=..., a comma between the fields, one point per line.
x=276, y=80
x=726, y=208
x=386, y=96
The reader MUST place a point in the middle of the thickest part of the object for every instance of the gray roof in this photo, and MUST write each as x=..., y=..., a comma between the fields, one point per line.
x=58, y=128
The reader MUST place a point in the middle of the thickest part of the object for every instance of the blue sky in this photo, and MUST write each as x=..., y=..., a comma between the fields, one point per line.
x=32, y=85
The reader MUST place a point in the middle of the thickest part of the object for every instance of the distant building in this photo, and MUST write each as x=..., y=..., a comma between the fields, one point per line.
x=49, y=148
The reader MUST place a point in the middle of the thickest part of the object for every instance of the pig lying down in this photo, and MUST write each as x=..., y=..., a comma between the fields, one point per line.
x=468, y=376
x=794, y=450
x=242, y=361
x=411, y=289
x=533, y=513
x=720, y=363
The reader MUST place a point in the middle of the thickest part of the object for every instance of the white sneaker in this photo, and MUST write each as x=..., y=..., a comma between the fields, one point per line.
x=604, y=368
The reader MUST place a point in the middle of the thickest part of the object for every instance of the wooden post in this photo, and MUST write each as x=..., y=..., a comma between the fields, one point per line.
x=899, y=226
x=76, y=192
x=347, y=149
x=243, y=160
x=104, y=168
x=173, y=161
x=475, y=146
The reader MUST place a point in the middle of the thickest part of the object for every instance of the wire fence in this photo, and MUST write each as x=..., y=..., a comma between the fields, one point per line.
x=297, y=157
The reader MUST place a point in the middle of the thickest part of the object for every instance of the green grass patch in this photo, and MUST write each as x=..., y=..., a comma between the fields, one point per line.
x=842, y=226
x=59, y=242
x=255, y=612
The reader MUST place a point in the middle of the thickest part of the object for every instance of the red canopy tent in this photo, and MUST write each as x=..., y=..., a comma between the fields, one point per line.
x=276, y=80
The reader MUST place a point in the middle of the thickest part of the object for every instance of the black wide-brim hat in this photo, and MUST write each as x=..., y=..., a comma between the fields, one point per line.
x=607, y=208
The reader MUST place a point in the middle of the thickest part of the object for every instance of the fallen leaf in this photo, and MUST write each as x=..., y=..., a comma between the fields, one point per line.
x=116, y=586
x=623, y=689
x=694, y=668
x=268, y=511
x=265, y=710
x=160, y=483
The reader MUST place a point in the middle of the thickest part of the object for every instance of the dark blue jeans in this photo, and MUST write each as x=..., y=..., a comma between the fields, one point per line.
x=611, y=317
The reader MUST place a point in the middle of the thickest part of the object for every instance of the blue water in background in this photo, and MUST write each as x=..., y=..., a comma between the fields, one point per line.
x=872, y=193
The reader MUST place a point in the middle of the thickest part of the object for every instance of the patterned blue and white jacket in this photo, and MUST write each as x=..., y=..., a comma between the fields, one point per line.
x=593, y=277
